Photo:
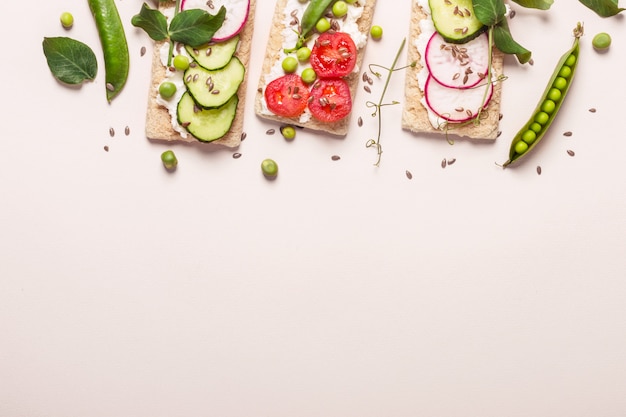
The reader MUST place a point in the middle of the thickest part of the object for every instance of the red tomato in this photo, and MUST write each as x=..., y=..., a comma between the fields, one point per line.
x=333, y=55
x=331, y=100
x=287, y=96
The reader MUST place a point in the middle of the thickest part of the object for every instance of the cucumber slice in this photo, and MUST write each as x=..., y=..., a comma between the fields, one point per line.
x=214, y=56
x=206, y=125
x=216, y=87
x=455, y=20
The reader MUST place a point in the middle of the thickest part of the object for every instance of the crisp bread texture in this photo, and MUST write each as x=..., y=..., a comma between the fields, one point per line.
x=158, y=120
x=272, y=55
x=415, y=116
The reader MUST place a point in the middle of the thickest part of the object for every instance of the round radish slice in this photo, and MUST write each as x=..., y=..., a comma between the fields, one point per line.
x=456, y=104
x=236, y=15
x=457, y=65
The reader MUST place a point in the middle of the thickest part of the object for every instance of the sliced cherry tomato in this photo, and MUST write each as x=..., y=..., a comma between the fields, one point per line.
x=287, y=96
x=331, y=100
x=333, y=55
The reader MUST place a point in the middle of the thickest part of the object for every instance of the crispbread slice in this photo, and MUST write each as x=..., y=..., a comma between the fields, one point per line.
x=272, y=55
x=415, y=115
x=158, y=120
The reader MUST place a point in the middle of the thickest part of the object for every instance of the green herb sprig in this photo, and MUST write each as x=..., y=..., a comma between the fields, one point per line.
x=193, y=27
x=378, y=106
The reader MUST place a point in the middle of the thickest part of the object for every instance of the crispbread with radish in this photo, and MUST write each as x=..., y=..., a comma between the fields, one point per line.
x=329, y=113
x=448, y=92
x=162, y=125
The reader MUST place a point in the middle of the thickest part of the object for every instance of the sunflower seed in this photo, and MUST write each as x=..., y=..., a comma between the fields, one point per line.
x=570, y=152
x=335, y=157
x=408, y=174
x=592, y=110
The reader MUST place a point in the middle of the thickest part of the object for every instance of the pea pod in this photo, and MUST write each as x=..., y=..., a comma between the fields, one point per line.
x=312, y=14
x=114, y=45
x=549, y=104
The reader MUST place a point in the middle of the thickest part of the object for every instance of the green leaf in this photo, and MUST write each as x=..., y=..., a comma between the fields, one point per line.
x=535, y=4
x=489, y=12
x=69, y=60
x=604, y=8
x=152, y=21
x=504, y=42
x=195, y=27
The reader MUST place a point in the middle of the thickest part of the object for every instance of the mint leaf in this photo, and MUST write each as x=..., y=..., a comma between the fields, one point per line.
x=603, y=8
x=69, y=60
x=152, y=21
x=535, y=4
x=489, y=12
x=504, y=42
x=195, y=27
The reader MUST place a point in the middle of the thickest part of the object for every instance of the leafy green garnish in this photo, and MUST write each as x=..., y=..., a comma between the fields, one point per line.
x=604, y=8
x=535, y=4
x=504, y=41
x=69, y=60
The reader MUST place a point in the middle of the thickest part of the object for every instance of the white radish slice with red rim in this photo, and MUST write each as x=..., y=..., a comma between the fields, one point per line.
x=236, y=15
x=457, y=65
x=456, y=104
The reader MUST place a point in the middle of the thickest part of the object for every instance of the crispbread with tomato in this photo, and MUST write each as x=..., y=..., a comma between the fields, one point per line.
x=448, y=91
x=324, y=104
x=217, y=122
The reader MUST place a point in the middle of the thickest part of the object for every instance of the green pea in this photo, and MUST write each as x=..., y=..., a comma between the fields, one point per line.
x=542, y=118
x=309, y=76
x=269, y=168
x=288, y=132
x=290, y=64
x=169, y=160
x=554, y=94
x=521, y=147
x=535, y=127
x=340, y=8
x=376, y=32
x=322, y=25
x=529, y=136
x=565, y=72
x=181, y=62
x=601, y=41
x=303, y=54
x=548, y=106
x=560, y=83
x=67, y=20
x=167, y=90
x=571, y=60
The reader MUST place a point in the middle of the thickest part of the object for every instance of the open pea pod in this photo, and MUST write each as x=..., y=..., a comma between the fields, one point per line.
x=549, y=104
x=313, y=12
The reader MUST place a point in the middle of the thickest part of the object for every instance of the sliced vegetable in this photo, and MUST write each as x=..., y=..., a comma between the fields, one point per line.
x=333, y=55
x=69, y=60
x=214, y=88
x=206, y=125
x=455, y=20
x=456, y=104
x=237, y=13
x=214, y=56
x=287, y=96
x=331, y=100
x=458, y=66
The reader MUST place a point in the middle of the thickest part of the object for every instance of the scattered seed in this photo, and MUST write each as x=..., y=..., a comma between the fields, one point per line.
x=335, y=157
x=367, y=88
x=531, y=62
x=360, y=121
x=236, y=155
x=538, y=169
x=370, y=80
x=592, y=110
x=142, y=51
x=408, y=174
x=451, y=161
x=243, y=136
x=195, y=77
x=215, y=92
x=512, y=14
x=127, y=130
x=570, y=152
x=568, y=133
x=460, y=109
x=444, y=163
x=270, y=131
x=110, y=87
x=111, y=132
x=500, y=116
x=106, y=148
x=499, y=133
x=365, y=77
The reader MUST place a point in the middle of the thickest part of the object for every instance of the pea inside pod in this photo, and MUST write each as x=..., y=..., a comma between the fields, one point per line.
x=549, y=104
x=312, y=14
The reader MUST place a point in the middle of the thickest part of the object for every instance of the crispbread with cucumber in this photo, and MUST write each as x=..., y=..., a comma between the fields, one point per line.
x=312, y=63
x=455, y=86
x=200, y=94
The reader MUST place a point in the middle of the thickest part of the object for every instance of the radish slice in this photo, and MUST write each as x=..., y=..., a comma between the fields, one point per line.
x=236, y=15
x=456, y=104
x=457, y=66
